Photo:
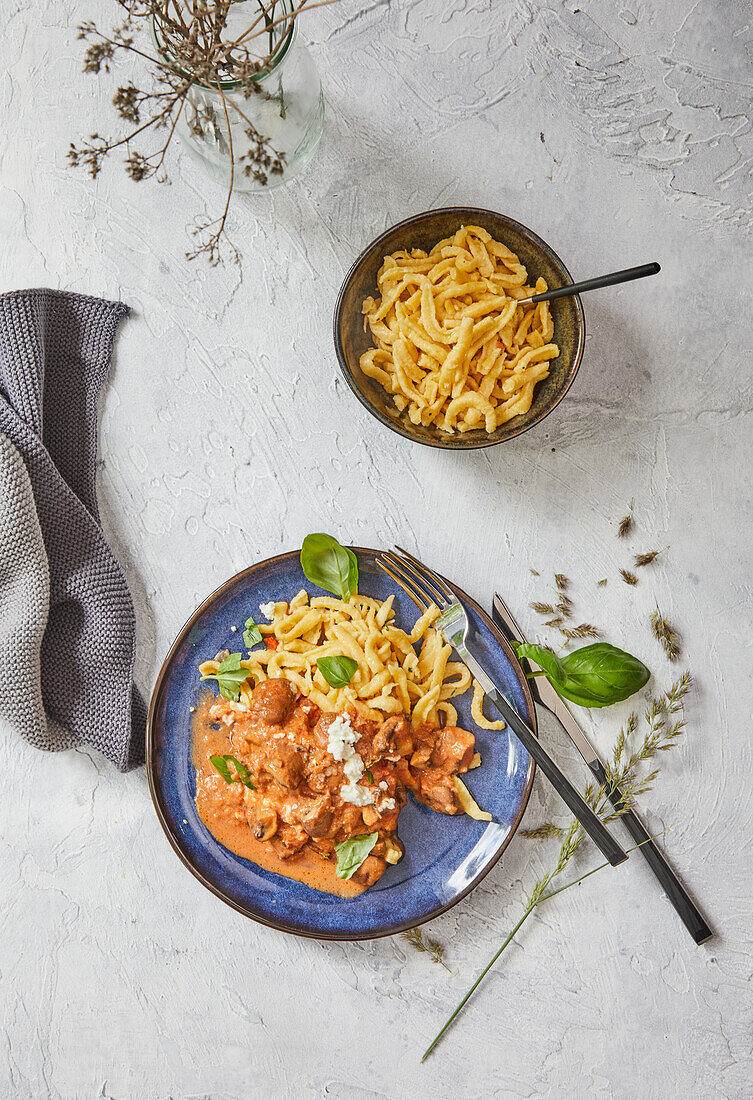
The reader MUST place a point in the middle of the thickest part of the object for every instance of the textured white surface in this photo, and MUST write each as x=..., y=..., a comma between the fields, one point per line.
x=621, y=134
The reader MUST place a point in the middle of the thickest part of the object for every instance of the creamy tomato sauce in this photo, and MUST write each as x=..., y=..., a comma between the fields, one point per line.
x=318, y=779
x=222, y=808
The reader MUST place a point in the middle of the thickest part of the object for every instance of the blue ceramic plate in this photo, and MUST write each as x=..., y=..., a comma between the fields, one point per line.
x=445, y=857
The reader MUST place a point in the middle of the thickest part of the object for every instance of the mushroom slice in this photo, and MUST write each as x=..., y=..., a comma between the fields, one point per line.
x=264, y=825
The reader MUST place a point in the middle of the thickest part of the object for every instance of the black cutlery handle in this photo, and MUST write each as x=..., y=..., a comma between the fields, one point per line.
x=602, y=280
x=562, y=785
x=673, y=888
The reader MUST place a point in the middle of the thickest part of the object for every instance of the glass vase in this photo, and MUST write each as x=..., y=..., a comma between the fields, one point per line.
x=265, y=129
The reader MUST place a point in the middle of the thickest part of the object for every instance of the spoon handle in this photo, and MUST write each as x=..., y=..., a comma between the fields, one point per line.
x=593, y=284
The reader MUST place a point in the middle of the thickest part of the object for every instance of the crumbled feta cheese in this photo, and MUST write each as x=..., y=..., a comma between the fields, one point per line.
x=353, y=768
x=268, y=610
x=341, y=737
x=383, y=786
x=234, y=629
x=357, y=795
x=387, y=804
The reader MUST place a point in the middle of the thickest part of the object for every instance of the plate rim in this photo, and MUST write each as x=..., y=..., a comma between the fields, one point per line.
x=238, y=907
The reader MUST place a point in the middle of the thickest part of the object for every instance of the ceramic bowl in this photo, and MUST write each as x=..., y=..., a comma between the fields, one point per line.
x=424, y=231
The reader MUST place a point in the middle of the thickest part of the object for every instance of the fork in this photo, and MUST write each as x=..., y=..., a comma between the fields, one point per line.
x=425, y=588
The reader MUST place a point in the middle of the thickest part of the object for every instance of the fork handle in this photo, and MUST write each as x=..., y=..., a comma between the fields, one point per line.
x=594, y=284
x=562, y=785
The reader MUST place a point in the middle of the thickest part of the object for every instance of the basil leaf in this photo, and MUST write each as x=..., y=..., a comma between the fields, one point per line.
x=352, y=571
x=329, y=565
x=545, y=658
x=352, y=852
x=369, y=776
x=229, y=676
x=337, y=671
x=602, y=675
x=221, y=764
x=251, y=635
x=597, y=675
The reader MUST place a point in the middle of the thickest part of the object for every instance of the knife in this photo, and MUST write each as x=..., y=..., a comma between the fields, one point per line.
x=545, y=695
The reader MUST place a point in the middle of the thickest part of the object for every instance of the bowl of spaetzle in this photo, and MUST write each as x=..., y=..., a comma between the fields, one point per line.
x=432, y=340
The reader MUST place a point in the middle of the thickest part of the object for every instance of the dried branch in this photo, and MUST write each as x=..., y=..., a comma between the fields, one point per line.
x=660, y=736
x=195, y=48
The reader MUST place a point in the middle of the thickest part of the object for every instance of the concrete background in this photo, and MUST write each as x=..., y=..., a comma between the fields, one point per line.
x=619, y=132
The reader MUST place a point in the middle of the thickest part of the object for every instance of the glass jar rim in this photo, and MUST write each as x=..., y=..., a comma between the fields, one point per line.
x=230, y=84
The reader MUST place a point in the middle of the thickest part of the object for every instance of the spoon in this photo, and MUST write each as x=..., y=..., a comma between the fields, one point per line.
x=593, y=284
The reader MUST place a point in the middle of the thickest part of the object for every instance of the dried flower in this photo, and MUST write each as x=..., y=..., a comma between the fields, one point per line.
x=565, y=606
x=646, y=559
x=138, y=167
x=126, y=101
x=626, y=523
x=543, y=608
x=433, y=947
x=666, y=634
x=90, y=155
x=543, y=832
x=585, y=630
x=627, y=731
x=555, y=621
x=561, y=582
x=628, y=577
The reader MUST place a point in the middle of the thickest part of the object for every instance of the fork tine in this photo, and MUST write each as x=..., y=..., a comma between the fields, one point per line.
x=413, y=577
x=420, y=580
x=429, y=579
x=388, y=564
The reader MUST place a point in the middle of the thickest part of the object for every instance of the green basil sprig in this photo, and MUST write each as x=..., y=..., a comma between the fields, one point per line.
x=329, y=565
x=337, y=671
x=229, y=676
x=352, y=852
x=221, y=764
x=594, y=676
x=252, y=634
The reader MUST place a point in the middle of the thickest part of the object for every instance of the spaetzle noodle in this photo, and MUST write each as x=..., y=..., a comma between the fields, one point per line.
x=452, y=345
x=399, y=672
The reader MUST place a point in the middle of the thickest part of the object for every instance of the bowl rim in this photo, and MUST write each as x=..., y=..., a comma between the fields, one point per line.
x=154, y=790
x=452, y=442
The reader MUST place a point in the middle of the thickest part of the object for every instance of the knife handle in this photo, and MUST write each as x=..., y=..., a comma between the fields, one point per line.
x=673, y=888
x=562, y=785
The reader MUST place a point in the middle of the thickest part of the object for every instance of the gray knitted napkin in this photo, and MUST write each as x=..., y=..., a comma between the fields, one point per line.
x=67, y=623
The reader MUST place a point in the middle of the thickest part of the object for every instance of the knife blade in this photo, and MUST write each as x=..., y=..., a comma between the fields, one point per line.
x=541, y=689
x=545, y=695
